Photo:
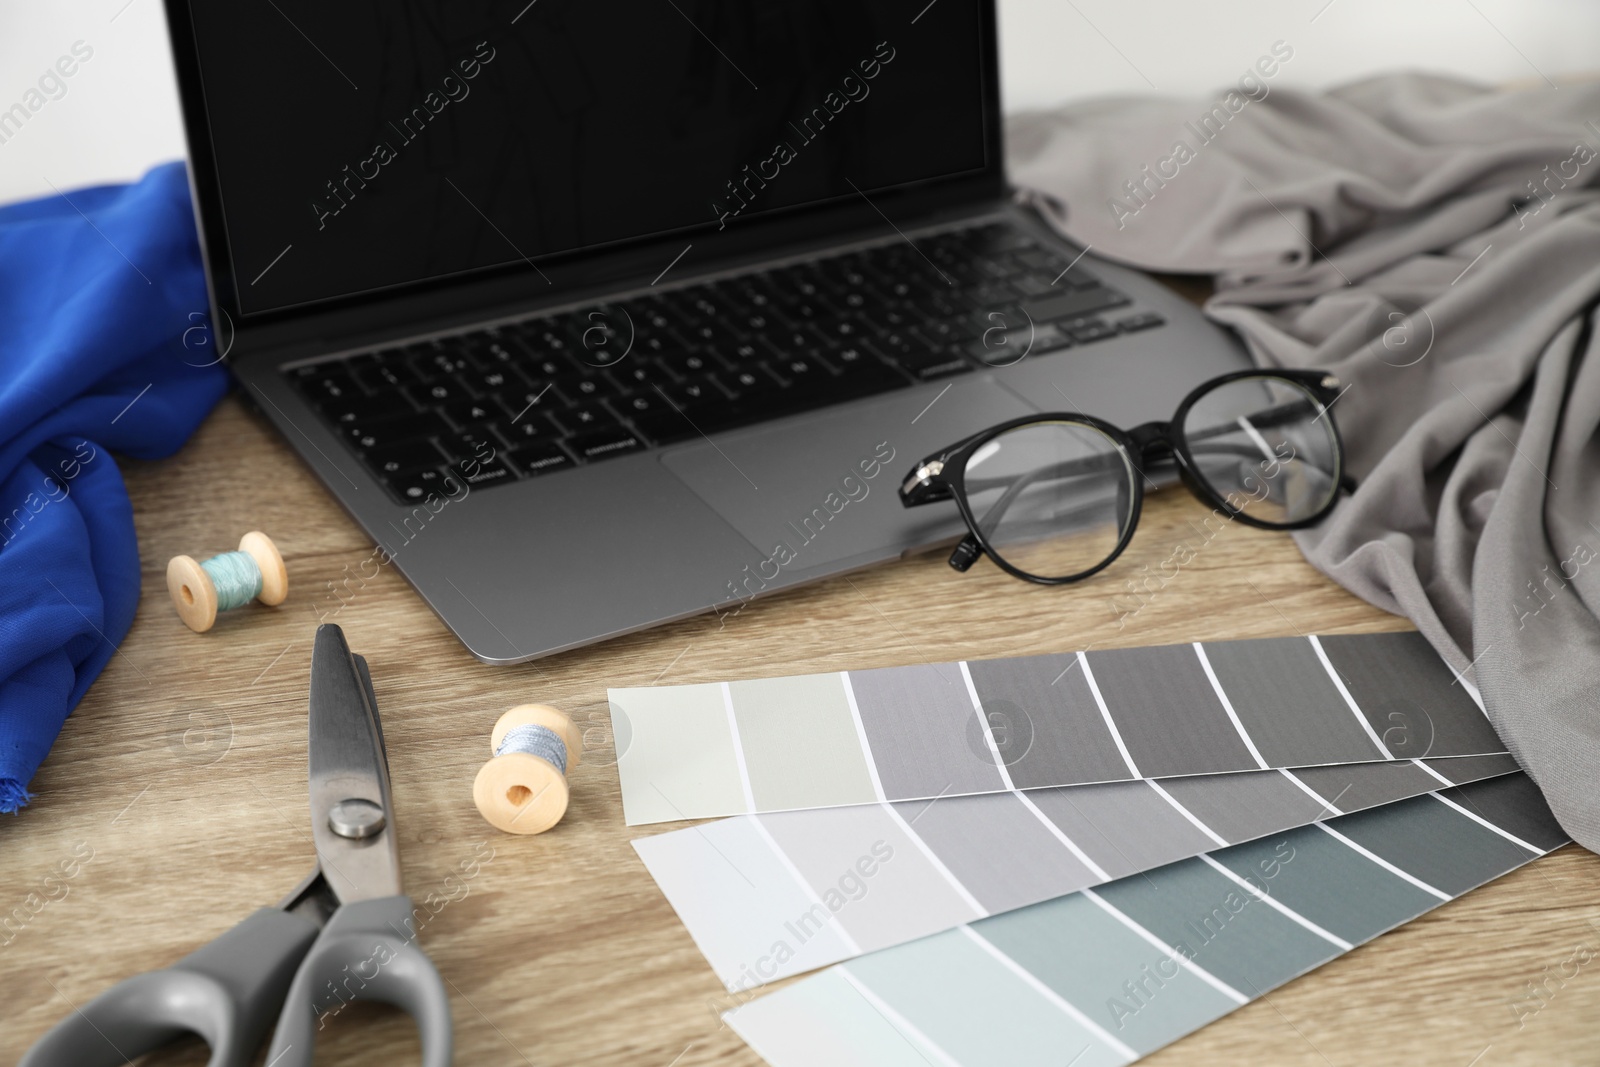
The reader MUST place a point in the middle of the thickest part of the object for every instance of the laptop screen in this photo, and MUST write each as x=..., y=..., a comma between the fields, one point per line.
x=362, y=147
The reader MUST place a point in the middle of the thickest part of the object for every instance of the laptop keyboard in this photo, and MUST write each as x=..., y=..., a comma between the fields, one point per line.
x=551, y=392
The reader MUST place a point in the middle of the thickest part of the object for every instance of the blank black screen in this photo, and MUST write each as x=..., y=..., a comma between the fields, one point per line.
x=362, y=146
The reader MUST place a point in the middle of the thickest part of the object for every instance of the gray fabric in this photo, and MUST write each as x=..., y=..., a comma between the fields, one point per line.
x=1437, y=246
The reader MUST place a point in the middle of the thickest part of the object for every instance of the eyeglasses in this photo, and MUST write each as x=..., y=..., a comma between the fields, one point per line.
x=1054, y=498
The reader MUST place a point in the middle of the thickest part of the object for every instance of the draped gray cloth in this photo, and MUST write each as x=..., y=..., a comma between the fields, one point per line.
x=1436, y=245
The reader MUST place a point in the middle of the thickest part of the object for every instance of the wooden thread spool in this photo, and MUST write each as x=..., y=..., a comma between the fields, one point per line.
x=523, y=787
x=225, y=582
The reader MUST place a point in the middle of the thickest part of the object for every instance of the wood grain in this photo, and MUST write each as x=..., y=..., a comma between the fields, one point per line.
x=184, y=772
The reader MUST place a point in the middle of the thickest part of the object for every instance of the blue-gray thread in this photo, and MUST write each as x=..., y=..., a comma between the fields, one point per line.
x=236, y=577
x=535, y=740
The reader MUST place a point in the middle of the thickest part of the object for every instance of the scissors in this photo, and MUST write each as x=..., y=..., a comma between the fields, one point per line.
x=344, y=934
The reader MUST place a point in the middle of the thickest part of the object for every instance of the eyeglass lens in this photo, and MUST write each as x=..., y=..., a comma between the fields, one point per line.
x=1266, y=446
x=1052, y=499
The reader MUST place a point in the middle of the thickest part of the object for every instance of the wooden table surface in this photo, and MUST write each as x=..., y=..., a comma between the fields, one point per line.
x=183, y=776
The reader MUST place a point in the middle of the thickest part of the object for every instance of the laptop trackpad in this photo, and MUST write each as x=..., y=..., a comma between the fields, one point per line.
x=825, y=485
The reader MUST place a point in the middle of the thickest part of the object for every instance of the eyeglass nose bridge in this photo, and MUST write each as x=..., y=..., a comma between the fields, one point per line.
x=1151, y=437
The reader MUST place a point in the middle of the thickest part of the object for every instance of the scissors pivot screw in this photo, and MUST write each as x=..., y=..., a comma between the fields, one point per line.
x=356, y=818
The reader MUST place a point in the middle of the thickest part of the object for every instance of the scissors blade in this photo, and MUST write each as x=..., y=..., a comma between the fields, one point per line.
x=352, y=816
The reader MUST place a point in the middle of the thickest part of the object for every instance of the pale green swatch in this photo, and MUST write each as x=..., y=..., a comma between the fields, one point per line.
x=800, y=743
x=678, y=761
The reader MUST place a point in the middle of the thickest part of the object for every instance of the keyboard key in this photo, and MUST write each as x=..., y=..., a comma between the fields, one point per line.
x=465, y=414
x=756, y=321
x=848, y=356
x=690, y=364
x=926, y=366
x=544, y=337
x=383, y=370
x=639, y=404
x=896, y=344
x=583, y=417
x=754, y=350
x=995, y=293
x=869, y=377
x=997, y=238
x=797, y=369
x=1074, y=304
x=1094, y=330
x=479, y=445
x=415, y=486
x=693, y=391
x=438, y=391
x=551, y=368
x=529, y=401
x=480, y=474
x=492, y=380
x=439, y=365
x=529, y=429
x=934, y=306
x=844, y=331
x=605, y=443
x=358, y=406
x=941, y=333
x=711, y=332
x=1051, y=265
x=327, y=382
x=636, y=374
x=750, y=383
x=1031, y=284
x=1005, y=347
x=1143, y=320
x=366, y=435
x=539, y=459
x=403, y=458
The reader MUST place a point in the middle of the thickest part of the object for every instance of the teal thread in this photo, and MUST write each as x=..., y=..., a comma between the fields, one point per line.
x=236, y=578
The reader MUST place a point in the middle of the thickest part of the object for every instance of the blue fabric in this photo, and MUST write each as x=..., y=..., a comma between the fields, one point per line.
x=103, y=346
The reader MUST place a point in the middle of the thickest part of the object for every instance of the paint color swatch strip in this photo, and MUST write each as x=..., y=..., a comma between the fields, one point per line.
x=988, y=726
x=1108, y=975
x=774, y=895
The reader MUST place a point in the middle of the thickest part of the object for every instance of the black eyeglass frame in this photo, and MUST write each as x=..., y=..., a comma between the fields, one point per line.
x=942, y=475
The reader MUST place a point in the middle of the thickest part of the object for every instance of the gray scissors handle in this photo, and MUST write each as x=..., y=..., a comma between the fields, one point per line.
x=366, y=952
x=228, y=992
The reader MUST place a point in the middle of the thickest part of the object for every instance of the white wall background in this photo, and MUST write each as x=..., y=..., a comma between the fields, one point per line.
x=120, y=112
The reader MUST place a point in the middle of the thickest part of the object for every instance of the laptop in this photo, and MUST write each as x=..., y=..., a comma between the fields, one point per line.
x=601, y=314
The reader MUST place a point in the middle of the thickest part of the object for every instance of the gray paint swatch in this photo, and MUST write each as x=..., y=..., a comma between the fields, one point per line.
x=1167, y=712
x=1238, y=807
x=1123, y=826
x=902, y=898
x=1287, y=702
x=924, y=732
x=1410, y=696
x=1366, y=785
x=997, y=848
x=1054, y=729
x=1471, y=768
